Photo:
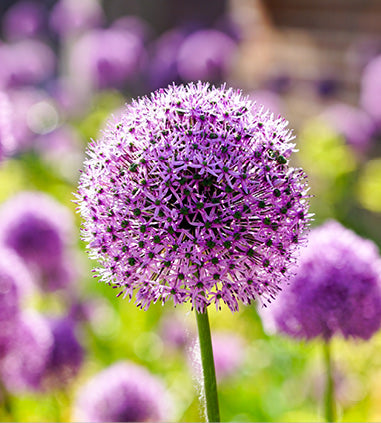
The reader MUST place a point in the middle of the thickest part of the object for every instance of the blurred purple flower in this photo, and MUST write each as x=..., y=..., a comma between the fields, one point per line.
x=189, y=196
x=124, y=392
x=15, y=284
x=7, y=139
x=269, y=99
x=25, y=62
x=336, y=288
x=66, y=356
x=206, y=55
x=106, y=58
x=370, y=95
x=39, y=230
x=174, y=331
x=352, y=123
x=23, y=367
x=24, y=19
x=229, y=353
x=137, y=26
x=70, y=17
x=162, y=69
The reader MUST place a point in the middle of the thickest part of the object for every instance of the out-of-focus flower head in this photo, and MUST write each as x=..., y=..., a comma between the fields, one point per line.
x=70, y=17
x=336, y=288
x=15, y=284
x=189, y=196
x=206, y=55
x=353, y=123
x=106, y=57
x=229, y=352
x=39, y=230
x=66, y=355
x=25, y=62
x=7, y=140
x=162, y=69
x=63, y=149
x=124, y=392
x=135, y=25
x=23, y=367
x=371, y=89
x=174, y=331
x=31, y=113
x=24, y=19
x=269, y=99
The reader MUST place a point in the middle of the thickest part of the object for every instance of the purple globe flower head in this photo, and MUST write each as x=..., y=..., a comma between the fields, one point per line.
x=229, y=354
x=15, y=285
x=25, y=19
x=70, y=17
x=135, y=25
x=124, y=392
x=7, y=139
x=175, y=332
x=162, y=69
x=25, y=62
x=269, y=99
x=63, y=148
x=336, y=288
x=23, y=367
x=189, y=196
x=205, y=55
x=66, y=356
x=39, y=230
x=353, y=123
x=24, y=108
x=371, y=90
x=106, y=57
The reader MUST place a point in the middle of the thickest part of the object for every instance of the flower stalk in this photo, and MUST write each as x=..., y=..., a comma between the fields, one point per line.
x=208, y=370
x=329, y=399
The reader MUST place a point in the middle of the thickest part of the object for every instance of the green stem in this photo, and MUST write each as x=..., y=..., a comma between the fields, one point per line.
x=207, y=361
x=329, y=404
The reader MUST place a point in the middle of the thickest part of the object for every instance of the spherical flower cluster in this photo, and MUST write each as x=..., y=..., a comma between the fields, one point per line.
x=39, y=230
x=189, y=195
x=371, y=89
x=106, y=57
x=24, y=19
x=23, y=368
x=15, y=283
x=124, y=392
x=353, y=123
x=336, y=289
x=215, y=51
x=66, y=356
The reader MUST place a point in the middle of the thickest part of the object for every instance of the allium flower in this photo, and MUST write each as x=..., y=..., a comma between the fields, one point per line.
x=206, y=55
x=25, y=62
x=189, y=195
x=66, y=355
x=15, y=283
x=7, y=141
x=106, y=57
x=353, y=123
x=71, y=16
x=24, y=19
x=228, y=355
x=228, y=351
x=39, y=230
x=162, y=69
x=124, y=392
x=371, y=89
x=336, y=289
x=23, y=367
x=269, y=99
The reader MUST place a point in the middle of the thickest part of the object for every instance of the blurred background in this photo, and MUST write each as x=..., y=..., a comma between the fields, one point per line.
x=65, y=66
